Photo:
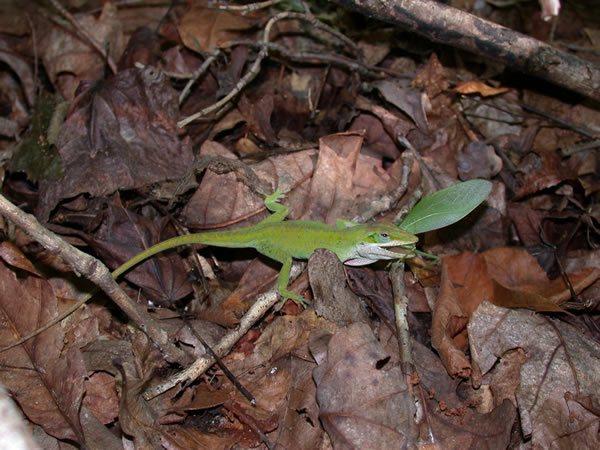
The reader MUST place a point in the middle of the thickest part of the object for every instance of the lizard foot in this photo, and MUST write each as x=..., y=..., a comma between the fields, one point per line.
x=300, y=301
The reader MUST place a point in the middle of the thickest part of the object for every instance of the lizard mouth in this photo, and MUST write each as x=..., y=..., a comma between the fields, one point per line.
x=393, y=244
x=401, y=251
x=403, y=245
x=369, y=253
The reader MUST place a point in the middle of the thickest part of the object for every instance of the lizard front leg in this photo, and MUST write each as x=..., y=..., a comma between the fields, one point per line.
x=284, y=274
x=282, y=283
x=279, y=211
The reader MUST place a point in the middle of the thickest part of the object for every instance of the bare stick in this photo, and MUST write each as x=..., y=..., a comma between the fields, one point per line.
x=230, y=376
x=197, y=74
x=401, y=313
x=246, y=9
x=451, y=26
x=256, y=311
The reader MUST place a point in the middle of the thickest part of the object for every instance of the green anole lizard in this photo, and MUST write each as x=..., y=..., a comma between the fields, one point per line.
x=354, y=245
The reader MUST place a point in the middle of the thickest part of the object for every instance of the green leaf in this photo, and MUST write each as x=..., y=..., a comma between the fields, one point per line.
x=446, y=206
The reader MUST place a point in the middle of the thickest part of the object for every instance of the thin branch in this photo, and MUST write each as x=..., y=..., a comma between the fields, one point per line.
x=230, y=376
x=246, y=9
x=197, y=74
x=321, y=58
x=253, y=315
x=262, y=54
x=451, y=26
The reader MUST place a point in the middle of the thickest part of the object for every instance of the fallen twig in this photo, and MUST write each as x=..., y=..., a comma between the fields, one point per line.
x=256, y=311
x=451, y=26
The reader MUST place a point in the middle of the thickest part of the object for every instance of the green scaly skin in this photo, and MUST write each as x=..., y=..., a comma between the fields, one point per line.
x=354, y=245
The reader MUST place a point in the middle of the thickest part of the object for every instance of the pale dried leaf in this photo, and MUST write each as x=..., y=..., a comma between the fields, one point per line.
x=561, y=370
x=363, y=405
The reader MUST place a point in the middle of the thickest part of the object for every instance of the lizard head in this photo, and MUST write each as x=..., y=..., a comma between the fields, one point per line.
x=372, y=241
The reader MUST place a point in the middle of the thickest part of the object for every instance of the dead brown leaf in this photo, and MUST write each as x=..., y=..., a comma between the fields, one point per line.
x=377, y=140
x=333, y=299
x=204, y=29
x=121, y=134
x=11, y=255
x=101, y=397
x=47, y=384
x=432, y=77
x=23, y=71
x=234, y=200
x=69, y=59
x=274, y=377
x=393, y=125
x=452, y=421
x=560, y=371
x=257, y=276
x=410, y=101
x=124, y=235
x=478, y=87
x=503, y=276
x=14, y=17
x=527, y=222
x=210, y=332
x=478, y=160
x=549, y=170
x=363, y=405
x=137, y=418
x=519, y=272
x=140, y=418
x=258, y=116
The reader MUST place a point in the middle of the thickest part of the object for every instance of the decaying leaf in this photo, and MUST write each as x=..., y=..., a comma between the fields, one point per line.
x=558, y=381
x=333, y=299
x=478, y=160
x=478, y=87
x=164, y=278
x=205, y=29
x=47, y=383
x=452, y=421
x=69, y=59
x=408, y=100
x=503, y=276
x=363, y=405
x=121, y=134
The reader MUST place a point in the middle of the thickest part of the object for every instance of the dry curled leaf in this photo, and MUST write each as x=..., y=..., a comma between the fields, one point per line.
x=11, y=255
x=408, y=100
x=478, y=87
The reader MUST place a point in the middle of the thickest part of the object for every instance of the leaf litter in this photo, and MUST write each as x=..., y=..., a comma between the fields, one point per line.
x=504, y=328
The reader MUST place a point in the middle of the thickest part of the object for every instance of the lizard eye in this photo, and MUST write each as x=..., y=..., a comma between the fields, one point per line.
x=384, y=237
